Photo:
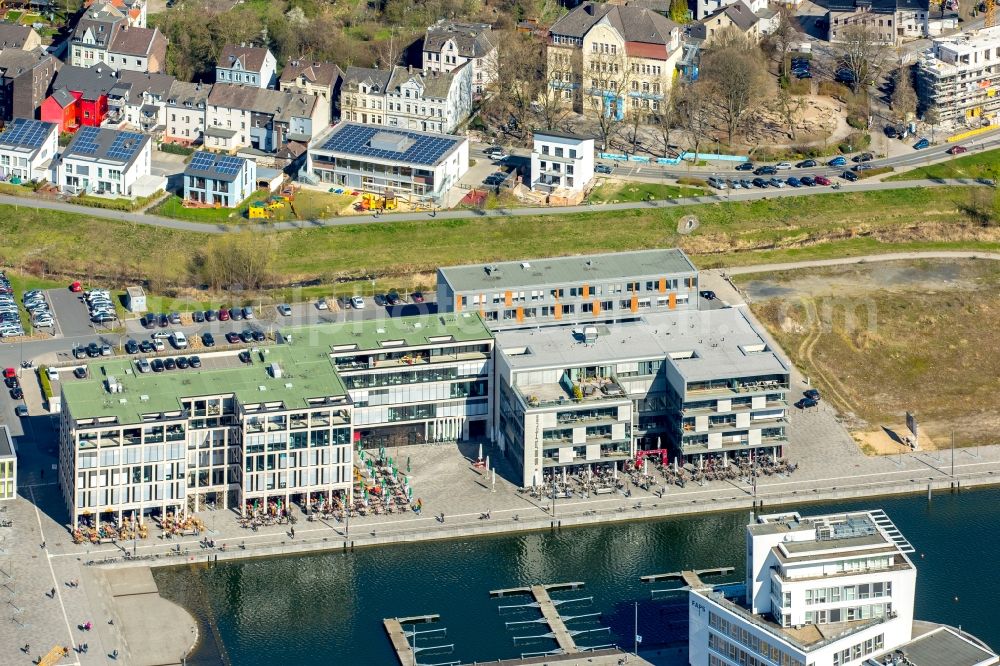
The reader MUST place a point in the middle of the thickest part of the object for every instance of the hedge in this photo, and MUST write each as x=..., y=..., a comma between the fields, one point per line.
x=117, y=204
x=43, y=379
x=176, y=149
x=696, y=182
x=868, y=173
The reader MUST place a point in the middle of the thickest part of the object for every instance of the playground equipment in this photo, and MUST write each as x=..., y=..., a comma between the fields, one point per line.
x=371, y=201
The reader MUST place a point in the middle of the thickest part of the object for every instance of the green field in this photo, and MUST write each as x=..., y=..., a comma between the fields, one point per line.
x=974, y=164
x=617, y=191
x=781, y=229
x=174, y=207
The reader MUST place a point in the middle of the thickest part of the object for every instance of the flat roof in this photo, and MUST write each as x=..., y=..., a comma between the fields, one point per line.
x=944, y=647
x=391, y=332
x=6, y=442
x=306, y=372
x=562, y=270
x=389, y=144
x=717, y=338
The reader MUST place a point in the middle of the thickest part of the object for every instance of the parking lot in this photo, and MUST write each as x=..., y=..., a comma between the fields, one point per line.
x=70, y=313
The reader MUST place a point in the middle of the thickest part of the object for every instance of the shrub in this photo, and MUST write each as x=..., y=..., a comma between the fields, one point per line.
x=23, y=190
x=176, y=149
x=800, y=87
x=857, y=122
x=834, y=89
x=43, y=379
x=875, y=172
x=695, y=182
x=117, y=204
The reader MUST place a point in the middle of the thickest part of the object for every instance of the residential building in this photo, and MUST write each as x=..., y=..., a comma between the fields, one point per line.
x=185, y=113
x=104, y=161
x=417, y=165
x=219, y=180
x=407, y=98
x=570, y=290
x=25, y=81
x=309, y=77
x=693, y=386
x=23, y=37
x=736, y=17
x=702, y=9
x=138, y=50
x=957, y=78
x=411, y=380
x=562, y=165
x=891, y=21
x=450, y=44
x=93, y=35
x=362, y=97
x=79, y=97
x=139, y=101
x=244, y=65
x=241, y=116
x=27, y=148
x=138, y=443
x=827, y=590
x=612, y=59
x=8, y=465
x=134, y=10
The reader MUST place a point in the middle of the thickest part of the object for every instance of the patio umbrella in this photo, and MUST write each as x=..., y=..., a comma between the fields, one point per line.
x=480, y=456
x=645, y=466
x=408, y=463
x=614, y=471
x=409, y=492
x=564, y=475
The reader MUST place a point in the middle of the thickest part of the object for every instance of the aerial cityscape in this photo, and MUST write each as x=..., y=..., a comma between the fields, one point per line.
x=524, y=332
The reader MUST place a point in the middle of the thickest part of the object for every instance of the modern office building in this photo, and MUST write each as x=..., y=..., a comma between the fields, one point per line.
x=8, y=465
x=418, y=165
x=567, y=290
x=219, y=180
x=957, y=78
x=411, y=380
x=691, y=385
x=829, y=590
x=139, y=442
x=27, y=148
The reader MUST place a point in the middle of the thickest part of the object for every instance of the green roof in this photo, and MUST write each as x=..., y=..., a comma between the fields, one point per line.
x=306, y=372
x=565, y=270
x=370, y=334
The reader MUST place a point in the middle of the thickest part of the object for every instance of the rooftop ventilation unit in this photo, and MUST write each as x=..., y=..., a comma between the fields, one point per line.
x=275, y=370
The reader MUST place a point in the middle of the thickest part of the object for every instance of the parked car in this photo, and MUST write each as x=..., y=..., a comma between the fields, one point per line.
x=246, y=335
x=158, y=345
x=863, y=157
x=160, y=335
x=890, y=131
x=837, y=161
x=923, y=143
x=178, y=340
x=284, y=310
x=147, y=347
x=849, y=176
x=148, y=320
x=783, y=166
x=211, y=315
x=169, y=363
x=76, y=287
x=766, y=170
x=207, y=340
x=808, y=181
x=93, y=350
x=195, y=362
x=258, y=336
x=776, y=182
x=21, y=411
x=174, y=317
x=157, y=365
x=244, y=356
x=236, y=314
x=417, y=297
x=80, y=372
x=602, y=168
x=379, y=300
x=393, y=297
x=861, y=167
x=163, y=321
x=794, y=182
x=103, y=318
x=812, y=394
x=11, y=382
x=132, y=347
x=806, y=164
x=223, y=314
x=805, y=403
x=321, y=304
x=745, y=166
x=106, y=350
x=957, y=150
x=182, y=363
x=248, y=312
x=16, y=393
x=707, y=295
x=79, y=352
x=198, y=317
x=717, y=183
x=760, y=182
x=232, y=337
x=822, y=180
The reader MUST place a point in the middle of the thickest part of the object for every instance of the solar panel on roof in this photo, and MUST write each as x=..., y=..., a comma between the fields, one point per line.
x=85, y=140
x=25, y=132
x=125, y=145
x=419, y=149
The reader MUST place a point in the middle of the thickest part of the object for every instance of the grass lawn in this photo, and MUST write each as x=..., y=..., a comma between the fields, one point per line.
x=885, y=338
x=14, y=16
x=313, y=205
x=618, y=191
x=974, y=164
x=174, y=207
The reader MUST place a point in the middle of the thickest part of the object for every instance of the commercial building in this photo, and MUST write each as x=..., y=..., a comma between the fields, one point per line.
x=567, y=290
x=27, y=148
x=8, y=465
x=827, y=590
x=243, y=65
x=104, y=161
x=957, y=78
x=219, y=180
x=450, y=44
x=417, y=165
x=890, y=21
x=562, y=165
x=691, y=386
x=610, y=60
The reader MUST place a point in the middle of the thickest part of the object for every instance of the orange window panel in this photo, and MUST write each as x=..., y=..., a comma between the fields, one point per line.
x=672, y=301
x=458, y=303
x=597, y=308
x=586, y=290
x=663, y=285
x=634, y=304
x=558, y=311
x=508, y=298
x=520, y=314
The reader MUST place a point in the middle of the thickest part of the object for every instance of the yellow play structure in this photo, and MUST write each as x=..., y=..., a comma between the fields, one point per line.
x=370, y=201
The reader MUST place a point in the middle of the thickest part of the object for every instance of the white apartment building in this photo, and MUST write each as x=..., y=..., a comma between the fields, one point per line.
x=829, y=590
x=8, y=465
x=27, y=148
x=185, y=111
x=562, y=164
x=243, y=65
x=958, y=78
x=104, y=161
x=450, y=44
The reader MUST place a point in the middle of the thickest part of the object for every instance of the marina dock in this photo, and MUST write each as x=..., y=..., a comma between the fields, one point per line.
x=400, y=643
x=544, y=603
x=691, y=578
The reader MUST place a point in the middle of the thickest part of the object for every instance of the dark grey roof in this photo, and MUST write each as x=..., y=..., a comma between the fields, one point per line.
x=563, y=135
x=944, y=647
x=13, y=36
x=6, y=442
x=250, y=58
x=387, y=144
x=741, y=15
x=317, y=73
x=138, y=83
x=436, y=84
x=279, y=103
x=103, y=21
x=136, y=41
x=15, y=61
x=106, y=145
x=354, y=76
x=212, y=165
x=877, y=6
x=92, y=81
x=63, y=97
x=635, y=24
x=183, y=93
x=473, y=40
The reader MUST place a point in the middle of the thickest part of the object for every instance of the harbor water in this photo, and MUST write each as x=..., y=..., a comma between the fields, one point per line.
x=328, y=608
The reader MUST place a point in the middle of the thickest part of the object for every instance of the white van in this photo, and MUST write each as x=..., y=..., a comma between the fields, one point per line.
x=178, y=340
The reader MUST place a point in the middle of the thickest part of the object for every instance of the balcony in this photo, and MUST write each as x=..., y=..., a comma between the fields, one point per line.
x=567, y=392
x=727, y=388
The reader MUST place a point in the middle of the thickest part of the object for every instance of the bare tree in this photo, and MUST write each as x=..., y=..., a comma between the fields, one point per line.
x=663, y=121
x=932, y=118
x=237, y=261
x=789, y=105
x=904, y=98
x=515, y=79
x=552, y=105
x=864, y=54
x=606, y=85
x=735, y=73
x=694, y=112
x=786, y=34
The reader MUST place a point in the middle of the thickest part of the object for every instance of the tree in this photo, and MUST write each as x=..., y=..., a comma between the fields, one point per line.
x=789, y=105
x=863, y=54
x=932, y=118
x=734, y=71
x=679, y=11
x=606, y=87
x=237, y=261
x=694, y=112
x=516, y=81
x=904, y=99
x=663, y=121
x=786, y=34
